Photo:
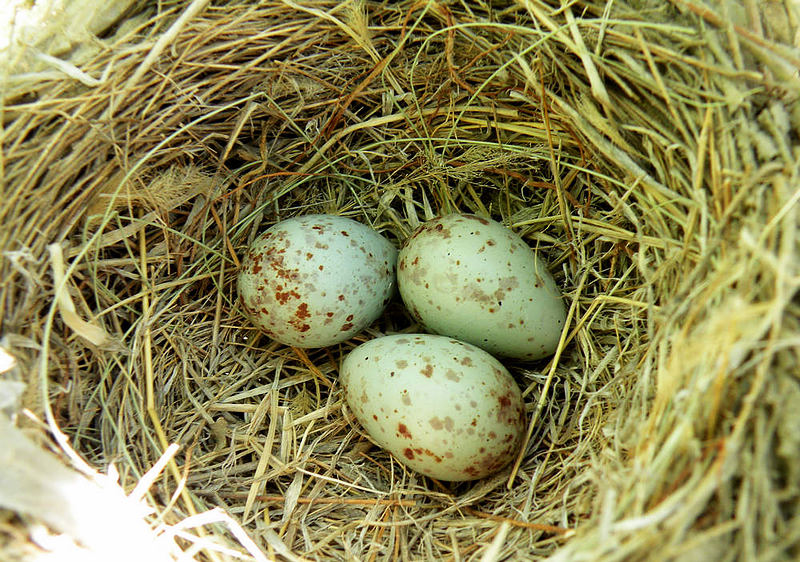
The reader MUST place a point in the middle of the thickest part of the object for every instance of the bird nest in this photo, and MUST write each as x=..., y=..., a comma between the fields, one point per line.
x=648, y=150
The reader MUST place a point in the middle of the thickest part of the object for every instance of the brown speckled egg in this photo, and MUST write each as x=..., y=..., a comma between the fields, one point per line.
x=316, y=280
x=444, y=408
x=475, y=280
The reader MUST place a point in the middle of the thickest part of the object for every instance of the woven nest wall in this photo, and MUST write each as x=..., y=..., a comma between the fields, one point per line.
x=648, y=150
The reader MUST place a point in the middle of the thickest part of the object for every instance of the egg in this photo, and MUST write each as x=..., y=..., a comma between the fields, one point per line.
x=316, y=280
x=444, y=408
x=473, y=279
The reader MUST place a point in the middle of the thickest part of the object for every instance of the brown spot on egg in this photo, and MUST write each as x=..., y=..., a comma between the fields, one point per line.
x=375, y=417
x=402, y=430
x=506, y=412
x=349, y=317
x=302, y=311
x=283, y=296
x=442, y=231
x=409, y=454
x=406, y=399
x=401, y=363
x=346, y=326
x=430, y=453
x=436, y=423
x=344, y=233
x=452, y=375
x=466, y=361
x=427, y=370
x=340, y=297
x=471, y=471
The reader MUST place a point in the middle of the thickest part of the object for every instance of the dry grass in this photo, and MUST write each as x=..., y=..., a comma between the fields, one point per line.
x=648, y=149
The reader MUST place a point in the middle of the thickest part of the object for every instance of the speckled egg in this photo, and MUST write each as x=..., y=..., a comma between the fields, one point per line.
x=445, y=408
x=316, y=280
x=475, y=280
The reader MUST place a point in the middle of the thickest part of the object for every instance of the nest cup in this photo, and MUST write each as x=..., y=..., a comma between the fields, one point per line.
x=647, y=150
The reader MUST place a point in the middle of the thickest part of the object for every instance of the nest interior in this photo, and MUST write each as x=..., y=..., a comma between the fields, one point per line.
x=648, y=150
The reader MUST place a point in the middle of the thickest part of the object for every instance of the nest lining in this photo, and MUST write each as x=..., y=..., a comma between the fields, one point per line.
x=647, y=150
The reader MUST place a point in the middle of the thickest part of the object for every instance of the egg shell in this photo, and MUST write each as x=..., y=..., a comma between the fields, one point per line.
x=444, y=408
x=473, y=279
x=316, y=280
